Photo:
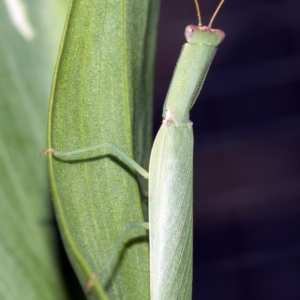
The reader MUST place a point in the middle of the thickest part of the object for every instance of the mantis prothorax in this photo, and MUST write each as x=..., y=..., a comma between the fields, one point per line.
x=171, y=169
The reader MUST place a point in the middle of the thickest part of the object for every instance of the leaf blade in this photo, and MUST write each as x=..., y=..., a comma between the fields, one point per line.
x=28, y=242
x=93, y=102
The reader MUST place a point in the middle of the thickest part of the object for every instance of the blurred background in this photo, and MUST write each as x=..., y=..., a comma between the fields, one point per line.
x=247, y=146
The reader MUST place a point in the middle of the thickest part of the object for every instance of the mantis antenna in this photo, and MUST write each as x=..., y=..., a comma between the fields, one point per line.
x=215, y=13
x=212, y=18
x=198, y=13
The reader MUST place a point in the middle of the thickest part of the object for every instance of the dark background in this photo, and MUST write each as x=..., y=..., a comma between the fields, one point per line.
x=247, y=147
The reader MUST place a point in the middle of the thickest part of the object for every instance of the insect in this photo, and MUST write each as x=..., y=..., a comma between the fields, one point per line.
x=171, y=167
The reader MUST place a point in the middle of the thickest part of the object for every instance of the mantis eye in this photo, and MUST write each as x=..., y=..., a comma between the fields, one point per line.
x=189, y=32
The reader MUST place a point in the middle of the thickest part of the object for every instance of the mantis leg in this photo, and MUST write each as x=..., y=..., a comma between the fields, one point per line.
x=127, y=227
x=95, y=151
x=112, y=257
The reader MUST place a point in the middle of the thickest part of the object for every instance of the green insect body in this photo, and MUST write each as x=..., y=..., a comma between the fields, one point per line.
x=171, y=171
x=192, y=67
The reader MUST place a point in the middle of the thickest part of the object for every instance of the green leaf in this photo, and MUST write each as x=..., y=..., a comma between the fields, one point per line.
x=28, y=248
x=101, y=93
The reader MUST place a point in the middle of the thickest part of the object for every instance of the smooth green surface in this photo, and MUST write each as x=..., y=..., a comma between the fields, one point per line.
x=28, y=245
x=188, y=78
x=171, y=212
x=102, y=93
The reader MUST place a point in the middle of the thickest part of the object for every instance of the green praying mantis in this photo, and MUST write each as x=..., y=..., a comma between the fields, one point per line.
x=171, y=170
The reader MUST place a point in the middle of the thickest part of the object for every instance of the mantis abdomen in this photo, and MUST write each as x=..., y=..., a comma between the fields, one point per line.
x=170, y=212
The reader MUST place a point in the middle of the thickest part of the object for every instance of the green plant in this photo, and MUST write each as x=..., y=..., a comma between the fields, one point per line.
x=99, y=34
